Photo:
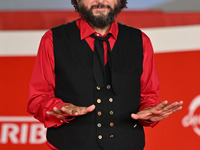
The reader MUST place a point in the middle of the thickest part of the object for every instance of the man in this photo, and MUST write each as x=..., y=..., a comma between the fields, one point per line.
x=94, y=84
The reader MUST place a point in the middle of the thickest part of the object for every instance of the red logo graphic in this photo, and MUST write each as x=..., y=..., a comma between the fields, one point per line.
x=193, y=117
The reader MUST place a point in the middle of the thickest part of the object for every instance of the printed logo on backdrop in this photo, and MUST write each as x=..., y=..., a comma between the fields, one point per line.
x=21, y=130
x=193, y=117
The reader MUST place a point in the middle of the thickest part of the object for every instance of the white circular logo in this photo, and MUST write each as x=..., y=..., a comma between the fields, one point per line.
x=193, y=119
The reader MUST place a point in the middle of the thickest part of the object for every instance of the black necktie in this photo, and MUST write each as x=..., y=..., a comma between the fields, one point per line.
x=98, y=66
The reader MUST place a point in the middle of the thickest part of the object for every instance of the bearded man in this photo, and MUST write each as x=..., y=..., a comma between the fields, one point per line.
x=94, y=84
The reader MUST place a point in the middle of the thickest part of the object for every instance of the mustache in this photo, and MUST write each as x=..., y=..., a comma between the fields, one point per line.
x=100, y=6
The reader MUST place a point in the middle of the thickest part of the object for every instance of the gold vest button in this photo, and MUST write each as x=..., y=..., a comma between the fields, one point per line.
x=111, y=112
x=108, y=87
x=111, y=124
x=111, y=100
x=99, y=113
x=99, y=101
x=99, y=125
x=98, y=88
x=100, y=137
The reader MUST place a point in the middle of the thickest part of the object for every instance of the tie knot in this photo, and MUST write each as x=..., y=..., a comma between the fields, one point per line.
x=101, y=38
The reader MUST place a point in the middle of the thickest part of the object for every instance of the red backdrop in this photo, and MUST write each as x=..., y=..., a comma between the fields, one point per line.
x=179, y=74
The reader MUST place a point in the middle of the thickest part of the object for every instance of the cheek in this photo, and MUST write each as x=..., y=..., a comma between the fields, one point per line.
x=86, y=3
x=114, y=3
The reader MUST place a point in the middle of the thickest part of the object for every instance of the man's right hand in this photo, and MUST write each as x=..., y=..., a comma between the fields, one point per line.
x=69, y=110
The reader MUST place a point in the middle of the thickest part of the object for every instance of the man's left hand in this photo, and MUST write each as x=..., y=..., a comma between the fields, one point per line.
x=159, y=112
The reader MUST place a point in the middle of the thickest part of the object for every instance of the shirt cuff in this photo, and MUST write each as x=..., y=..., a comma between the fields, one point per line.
x=55, y=122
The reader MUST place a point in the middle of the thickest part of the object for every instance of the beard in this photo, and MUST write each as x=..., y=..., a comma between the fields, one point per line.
x=102, y=20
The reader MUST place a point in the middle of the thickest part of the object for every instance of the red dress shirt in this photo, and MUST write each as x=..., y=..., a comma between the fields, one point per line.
x=42, y=85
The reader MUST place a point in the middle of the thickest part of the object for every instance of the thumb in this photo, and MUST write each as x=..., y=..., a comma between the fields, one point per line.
x=85, y=110
x=91, y=108
x=135, y=116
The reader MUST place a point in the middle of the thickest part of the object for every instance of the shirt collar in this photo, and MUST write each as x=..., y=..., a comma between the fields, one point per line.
x=86, y=30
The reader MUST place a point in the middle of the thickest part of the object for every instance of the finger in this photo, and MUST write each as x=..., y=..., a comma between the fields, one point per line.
x=177, y=109
x=57, y=111
x=60, y=116
x=91, y=108
x=161, y=105
x=172, y=111
x=72, y=110
x=55, y=114
x=140, y=116
x=170, y=106
x=173, y=106
x=85, y=110
x=66, y=108
x=50, y=113
x=135, y=116
x=180, y=103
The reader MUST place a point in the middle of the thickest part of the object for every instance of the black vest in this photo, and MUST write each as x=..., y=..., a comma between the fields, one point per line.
x=109, y=126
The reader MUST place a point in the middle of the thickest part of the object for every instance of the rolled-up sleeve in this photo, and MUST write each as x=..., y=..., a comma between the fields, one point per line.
x=42, y=85
x=150, y=84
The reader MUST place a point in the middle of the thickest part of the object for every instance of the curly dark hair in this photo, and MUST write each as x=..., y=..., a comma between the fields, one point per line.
x=122, y=4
